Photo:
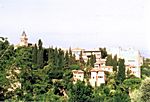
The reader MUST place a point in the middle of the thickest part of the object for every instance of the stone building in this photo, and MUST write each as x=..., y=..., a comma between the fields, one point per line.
x=23, y=39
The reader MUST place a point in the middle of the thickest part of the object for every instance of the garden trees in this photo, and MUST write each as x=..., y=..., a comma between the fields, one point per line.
x=145, y=90
x=80, y=92
x=6, y=57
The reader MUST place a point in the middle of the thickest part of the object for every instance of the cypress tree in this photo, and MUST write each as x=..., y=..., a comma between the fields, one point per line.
x=56, y=59
x=61, y=58
x=70, y=52
x=66, y=59
x=50, y=55
x=81, y=58
x=109, y=60
x=34, y=54
x=88, y=62
x=92, y=60
x=121, y=72
x=40, y=44
x=115, y=63
x=40, y=53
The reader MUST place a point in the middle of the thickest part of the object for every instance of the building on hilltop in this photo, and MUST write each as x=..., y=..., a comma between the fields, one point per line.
x=23, y=39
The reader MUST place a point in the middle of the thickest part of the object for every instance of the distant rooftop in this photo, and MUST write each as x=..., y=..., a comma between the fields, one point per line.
x=24, y=34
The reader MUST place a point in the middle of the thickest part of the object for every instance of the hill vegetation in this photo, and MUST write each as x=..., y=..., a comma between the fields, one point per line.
x=45, y=74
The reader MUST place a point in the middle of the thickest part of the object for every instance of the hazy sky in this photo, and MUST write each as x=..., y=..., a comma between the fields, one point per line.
x=78, y=23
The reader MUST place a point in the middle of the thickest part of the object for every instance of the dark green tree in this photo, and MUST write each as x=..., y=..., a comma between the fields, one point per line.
x=40, y=59
x=115, y=63
x=103, y=53
x=121, y=72
x=81, y=58
x=109, y=60
x=35, y=51
x=72, y=59
x=80, y=93
x=88, y=62
x=66, y=59
x=61, y=62
x=92, y=60
x=51, y=55
x=40, y=44
x=40, y=54
x=56, y=58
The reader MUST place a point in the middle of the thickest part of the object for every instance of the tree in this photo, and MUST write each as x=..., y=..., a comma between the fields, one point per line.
x=80, y=92
x=132, y=83
x=66, y=59
x=81, y=58
x=121, y=72
x=109, y=60
x=103, y=53
x=72, y=59
x=40, y=59
x=92, y=60
x=56, y=59
x=51, y=55
x=88, y=62
x=145, y=90
x=115, y=63
x=61, y=62
x=40, y=44
x=35, y=51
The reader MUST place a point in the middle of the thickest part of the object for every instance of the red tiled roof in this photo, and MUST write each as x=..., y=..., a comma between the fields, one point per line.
x=96, y=70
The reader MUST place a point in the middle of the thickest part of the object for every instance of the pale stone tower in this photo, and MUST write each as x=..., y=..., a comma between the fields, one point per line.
x=24, y=39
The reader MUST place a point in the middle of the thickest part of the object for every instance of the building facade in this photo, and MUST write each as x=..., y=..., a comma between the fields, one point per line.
x=132, y=57
x=23, y=39
x=97, y=77
x=78, y=75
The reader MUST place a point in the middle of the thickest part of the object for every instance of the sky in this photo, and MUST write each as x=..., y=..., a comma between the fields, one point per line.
x=78, y=23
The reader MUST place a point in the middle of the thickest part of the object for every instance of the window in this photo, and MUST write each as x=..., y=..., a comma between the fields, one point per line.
x=131, y=60
x=100, y=76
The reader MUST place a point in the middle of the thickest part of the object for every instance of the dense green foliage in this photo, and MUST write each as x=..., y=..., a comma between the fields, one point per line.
x=103, y=53
x=45, y=74
x=145, y=90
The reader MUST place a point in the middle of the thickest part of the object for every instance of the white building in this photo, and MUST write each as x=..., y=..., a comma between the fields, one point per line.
x=107, y=68
x=97, y=77
x=87, y=54
x=132, y=57
x=78, y=75
x=77, y=52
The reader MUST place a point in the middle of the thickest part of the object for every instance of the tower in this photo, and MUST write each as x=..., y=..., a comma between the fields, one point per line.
x=24, y=39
